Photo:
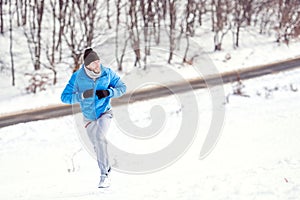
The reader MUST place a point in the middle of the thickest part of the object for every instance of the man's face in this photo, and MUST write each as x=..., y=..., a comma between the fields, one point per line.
x=94, y=66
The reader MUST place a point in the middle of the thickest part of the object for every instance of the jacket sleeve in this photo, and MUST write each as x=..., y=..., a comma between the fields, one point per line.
x=70, y=95
x=116, y=87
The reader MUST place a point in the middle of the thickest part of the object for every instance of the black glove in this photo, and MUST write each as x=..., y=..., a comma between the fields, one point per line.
x=88, y=93
x=102, y=93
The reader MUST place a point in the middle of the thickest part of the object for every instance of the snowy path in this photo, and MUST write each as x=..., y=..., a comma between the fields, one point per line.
x=257, y=156
x=60, y=110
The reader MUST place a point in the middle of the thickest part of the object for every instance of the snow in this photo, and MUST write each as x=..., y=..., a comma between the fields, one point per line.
x=257, y=156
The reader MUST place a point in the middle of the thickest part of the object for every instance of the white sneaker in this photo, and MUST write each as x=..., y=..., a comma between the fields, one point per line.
x=104, y=181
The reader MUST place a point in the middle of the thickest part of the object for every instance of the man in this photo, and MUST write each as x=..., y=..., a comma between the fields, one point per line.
x=92, y=86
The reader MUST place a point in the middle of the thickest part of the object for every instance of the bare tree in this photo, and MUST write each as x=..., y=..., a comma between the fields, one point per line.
x=37, y=50
x=188, y=24
x=11, y=15
x=264, y=15
x=120, y=58
x=248, y=7
x=70, y=35
x=191, y=13
x=238, y=19
x=147, y=16
x=242, y=12
x=17, y=12
x=160, y=9
x=107, y=14
x=201, y=8
x=134, y=32
x=288, y=19
x=33, y=32
x=23, y=9
x=79, y=27
x=221, y=26
x=63, y=6
x=173, y=17
x=1, y=17
x=50, y=49
x=151, y=22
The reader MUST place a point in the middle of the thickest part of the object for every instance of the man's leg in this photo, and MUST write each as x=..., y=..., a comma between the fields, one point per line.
x=103, y=124
x=97, y=131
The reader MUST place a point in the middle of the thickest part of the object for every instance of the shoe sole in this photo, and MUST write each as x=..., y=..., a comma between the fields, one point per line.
x=103, y=186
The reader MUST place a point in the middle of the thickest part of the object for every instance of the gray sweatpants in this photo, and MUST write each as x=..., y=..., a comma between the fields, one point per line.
x=96, y=131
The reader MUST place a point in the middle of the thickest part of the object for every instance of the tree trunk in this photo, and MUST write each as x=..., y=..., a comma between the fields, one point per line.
x=17, y=11
x=172, y=14
x=134, y=31
x=63, y=5
x=107, y=14
x=1, y=17
x=237, y=36
x=40, y=13
x=119, y=59
x=51, y=54
x=213, y=6
x=186, y=49
x=11, y=45
x=24, y=11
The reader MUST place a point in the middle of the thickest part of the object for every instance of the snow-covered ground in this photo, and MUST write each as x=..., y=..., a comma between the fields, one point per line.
x=257, y=156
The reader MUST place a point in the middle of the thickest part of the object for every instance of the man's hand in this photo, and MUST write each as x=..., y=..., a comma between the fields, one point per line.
x=88, y=93
x=102, y=93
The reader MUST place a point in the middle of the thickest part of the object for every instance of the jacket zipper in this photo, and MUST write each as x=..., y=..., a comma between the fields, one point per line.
x=94, y=88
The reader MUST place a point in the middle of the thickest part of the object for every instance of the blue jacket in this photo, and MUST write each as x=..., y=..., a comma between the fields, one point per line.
x=92, y=108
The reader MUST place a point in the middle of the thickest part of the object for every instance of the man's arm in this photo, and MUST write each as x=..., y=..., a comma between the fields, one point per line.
x=70, y=95
x=116, y=87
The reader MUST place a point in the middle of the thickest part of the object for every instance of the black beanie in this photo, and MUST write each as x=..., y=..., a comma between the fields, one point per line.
x=90, y=56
